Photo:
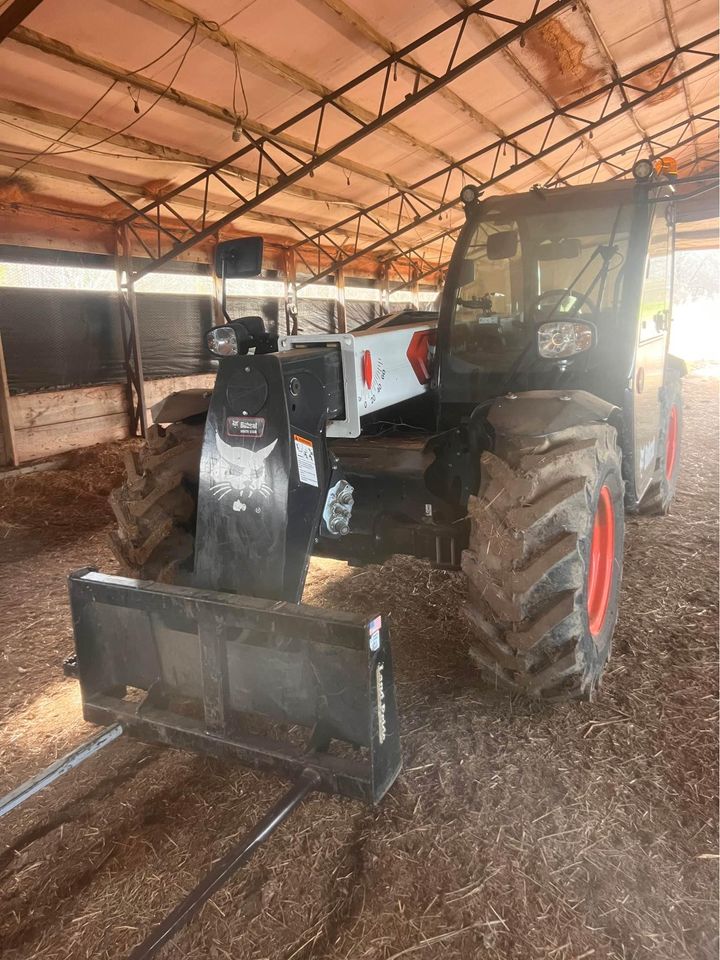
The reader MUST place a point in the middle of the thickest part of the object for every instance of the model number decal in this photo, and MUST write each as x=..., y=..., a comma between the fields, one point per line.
x=245, y=426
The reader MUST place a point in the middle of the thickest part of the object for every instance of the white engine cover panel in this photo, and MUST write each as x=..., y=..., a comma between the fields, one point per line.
x=393, y=378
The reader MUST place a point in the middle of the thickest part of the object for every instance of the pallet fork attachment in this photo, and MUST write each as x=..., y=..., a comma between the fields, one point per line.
x=282, y=687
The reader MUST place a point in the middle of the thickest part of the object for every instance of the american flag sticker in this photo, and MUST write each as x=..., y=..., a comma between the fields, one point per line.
x=374, y=628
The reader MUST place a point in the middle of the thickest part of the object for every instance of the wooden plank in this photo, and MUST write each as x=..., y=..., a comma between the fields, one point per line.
x=38, y=443
x=41, y=466
x=57, y=421
x=7, y=430
x=84, y=403
x=63, y=406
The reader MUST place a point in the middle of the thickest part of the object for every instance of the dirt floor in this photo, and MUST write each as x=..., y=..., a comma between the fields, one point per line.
x=515, y=831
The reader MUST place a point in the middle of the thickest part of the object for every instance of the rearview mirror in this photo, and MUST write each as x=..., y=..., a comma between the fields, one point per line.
x=568, y=249
x=238, y=259
x=502, y=245
x=467, y=272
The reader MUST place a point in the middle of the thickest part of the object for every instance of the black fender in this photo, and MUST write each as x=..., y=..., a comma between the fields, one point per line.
x=676, y=366
x=537, y=413
x=181, y=405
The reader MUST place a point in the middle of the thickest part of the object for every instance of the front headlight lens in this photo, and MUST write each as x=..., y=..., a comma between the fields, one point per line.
x=222, y=341
x=562, y=339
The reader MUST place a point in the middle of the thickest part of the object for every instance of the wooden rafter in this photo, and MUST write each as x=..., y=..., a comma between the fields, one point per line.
x=265, y=63
x=138, y=192
x=150, y=148
x=63, y=51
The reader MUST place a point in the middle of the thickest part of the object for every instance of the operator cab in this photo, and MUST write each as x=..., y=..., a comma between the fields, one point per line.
x=539, y=279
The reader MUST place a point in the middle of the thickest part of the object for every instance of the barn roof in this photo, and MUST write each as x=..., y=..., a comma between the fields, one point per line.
x=145, y=94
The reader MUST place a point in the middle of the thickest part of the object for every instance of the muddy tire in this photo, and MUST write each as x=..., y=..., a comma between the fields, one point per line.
x=544, y=561
x=660, y=493
x=155, y=507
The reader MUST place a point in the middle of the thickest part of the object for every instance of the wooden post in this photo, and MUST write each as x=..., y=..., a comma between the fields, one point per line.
x=415, y=289
x=291, y=310
x=384, y=289
x=340, y=311
x=129, y=325
x=8, y=429
x=218, y=315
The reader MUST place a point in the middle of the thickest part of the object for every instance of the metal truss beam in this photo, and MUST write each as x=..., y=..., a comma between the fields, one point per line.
x=659, y=143
x=14, y=14
x=589, y=112
x=174, y=234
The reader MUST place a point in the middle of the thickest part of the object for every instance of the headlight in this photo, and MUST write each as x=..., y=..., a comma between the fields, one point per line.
x=222, y=341
x=469, y=194
x=565, y=338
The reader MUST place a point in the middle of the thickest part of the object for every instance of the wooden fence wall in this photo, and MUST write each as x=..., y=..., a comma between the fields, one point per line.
x=56, y=421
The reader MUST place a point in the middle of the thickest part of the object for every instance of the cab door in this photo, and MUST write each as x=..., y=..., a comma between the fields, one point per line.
x=653, y=332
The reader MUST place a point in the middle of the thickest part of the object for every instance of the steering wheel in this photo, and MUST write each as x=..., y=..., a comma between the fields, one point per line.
x=548, y=304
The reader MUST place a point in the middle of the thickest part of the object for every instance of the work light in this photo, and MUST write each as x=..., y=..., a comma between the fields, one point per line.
x=643, y=170
x=564, y=338
x=222, y=341
x=469, y=194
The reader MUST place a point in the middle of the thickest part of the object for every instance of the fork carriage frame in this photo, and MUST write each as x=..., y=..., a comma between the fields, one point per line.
x=327, y=671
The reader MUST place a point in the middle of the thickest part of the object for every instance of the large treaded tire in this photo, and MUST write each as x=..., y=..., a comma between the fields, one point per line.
x=529, y=556
x=155, y=506
x=660, y=493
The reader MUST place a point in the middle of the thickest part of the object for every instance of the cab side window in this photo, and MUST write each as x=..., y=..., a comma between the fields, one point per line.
x=655, y=303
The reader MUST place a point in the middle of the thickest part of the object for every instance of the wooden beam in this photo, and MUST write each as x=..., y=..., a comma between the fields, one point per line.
x=14, y=14
x=6, y=421
x=40, y=442
x=63, y=51
x=134, y=191
x=265, y=63
x=154, y=150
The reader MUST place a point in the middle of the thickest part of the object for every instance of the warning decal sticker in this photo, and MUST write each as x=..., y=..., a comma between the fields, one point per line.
x=305, y=455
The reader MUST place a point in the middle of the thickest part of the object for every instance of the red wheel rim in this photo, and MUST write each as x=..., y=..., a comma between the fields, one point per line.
x=602, y=558
x=671, y=442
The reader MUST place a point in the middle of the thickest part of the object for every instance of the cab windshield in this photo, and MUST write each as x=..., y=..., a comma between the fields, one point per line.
x=526, y=269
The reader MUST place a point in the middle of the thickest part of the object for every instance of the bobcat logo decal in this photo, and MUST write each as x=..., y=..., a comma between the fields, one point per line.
x=244, y=470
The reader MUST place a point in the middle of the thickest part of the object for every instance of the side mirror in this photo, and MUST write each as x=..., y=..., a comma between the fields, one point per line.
x=238, y=259
x=502, y=245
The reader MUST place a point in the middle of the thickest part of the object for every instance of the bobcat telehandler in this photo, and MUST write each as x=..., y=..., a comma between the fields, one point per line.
x=506, y=436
